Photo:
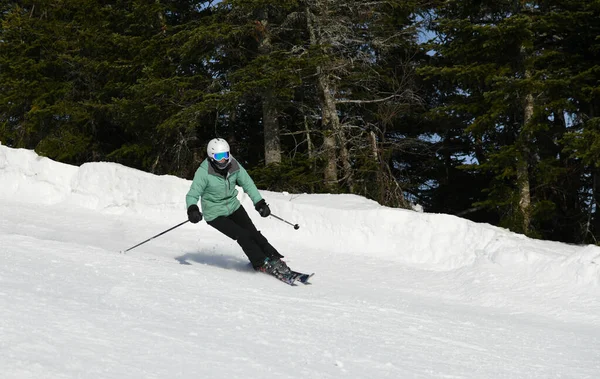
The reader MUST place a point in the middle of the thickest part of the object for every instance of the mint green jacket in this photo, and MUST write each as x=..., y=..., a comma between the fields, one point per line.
x=217, y=193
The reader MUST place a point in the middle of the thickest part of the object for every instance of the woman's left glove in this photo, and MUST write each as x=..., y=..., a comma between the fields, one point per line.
x=194, y=214
x=262, y=208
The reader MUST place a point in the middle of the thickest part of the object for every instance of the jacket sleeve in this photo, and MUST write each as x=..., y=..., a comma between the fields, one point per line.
x=197, y=187
x=245, y=181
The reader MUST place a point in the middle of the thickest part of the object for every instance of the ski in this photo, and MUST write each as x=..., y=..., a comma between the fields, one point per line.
x=287, y=279
x=301, y=277
x=293, y=276
x=287, y=275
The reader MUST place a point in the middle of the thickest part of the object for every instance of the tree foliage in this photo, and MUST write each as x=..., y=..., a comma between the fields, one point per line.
x=484, y=109
x=507, y=72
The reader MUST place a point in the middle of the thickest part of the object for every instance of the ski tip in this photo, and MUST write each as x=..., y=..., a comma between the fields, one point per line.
x=306, y=278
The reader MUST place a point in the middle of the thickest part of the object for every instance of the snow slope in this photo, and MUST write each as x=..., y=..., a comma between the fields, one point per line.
x=398, y=294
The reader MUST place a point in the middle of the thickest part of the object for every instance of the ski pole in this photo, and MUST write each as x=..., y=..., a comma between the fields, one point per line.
x=296, y=226
x=151, y=238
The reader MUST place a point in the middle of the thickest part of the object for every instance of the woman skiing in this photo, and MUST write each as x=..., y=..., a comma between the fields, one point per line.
x=214, y=184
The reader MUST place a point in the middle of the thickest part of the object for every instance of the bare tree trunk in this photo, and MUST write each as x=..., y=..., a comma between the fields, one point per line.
x=269, y=105
x=380, y=173
x=310, y=149
x=334, y=137
x=374, y=149
x=524, y=189
x=345, y=158
x=308, y=139
x=329, y=118
x=330, y=173
x=523, y=163
x=593, y=226
x=271, y=130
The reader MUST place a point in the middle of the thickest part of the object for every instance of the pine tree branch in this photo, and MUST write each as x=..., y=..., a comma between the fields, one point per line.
x=366, y=101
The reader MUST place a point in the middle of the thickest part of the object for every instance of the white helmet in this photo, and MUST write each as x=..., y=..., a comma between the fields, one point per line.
x=218, y=152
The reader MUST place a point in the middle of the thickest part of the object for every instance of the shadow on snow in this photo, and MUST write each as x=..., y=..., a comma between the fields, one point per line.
x=218, y=260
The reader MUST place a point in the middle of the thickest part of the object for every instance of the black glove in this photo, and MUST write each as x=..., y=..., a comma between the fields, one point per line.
x=262, y=208
x=194, y=214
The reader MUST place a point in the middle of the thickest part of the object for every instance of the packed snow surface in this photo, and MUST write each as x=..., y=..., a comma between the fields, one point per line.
x=397, y=293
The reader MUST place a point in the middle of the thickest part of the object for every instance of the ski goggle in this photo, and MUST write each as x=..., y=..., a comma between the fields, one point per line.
x=220, y=156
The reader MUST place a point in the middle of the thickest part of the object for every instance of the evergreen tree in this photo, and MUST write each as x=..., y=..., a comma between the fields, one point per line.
x=492, y=67
x=166, y=126
x=572, y=28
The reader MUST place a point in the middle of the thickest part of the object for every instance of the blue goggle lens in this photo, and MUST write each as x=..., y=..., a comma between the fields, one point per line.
x=220, y=156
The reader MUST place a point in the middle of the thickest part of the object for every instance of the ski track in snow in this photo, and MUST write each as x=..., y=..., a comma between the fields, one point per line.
x=187, y=304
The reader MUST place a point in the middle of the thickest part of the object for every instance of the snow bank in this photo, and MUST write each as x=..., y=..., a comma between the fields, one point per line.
x=27, y=177
x=345, y=224
x=105, y=187
x=351, y=224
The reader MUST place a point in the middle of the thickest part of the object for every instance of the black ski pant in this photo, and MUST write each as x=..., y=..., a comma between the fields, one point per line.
x=239, y=227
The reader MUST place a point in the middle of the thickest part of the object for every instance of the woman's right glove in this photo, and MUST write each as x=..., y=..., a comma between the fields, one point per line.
x=262, y=208
x=194, y=214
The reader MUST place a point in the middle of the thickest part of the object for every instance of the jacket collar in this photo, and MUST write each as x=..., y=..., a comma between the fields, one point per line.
x=234, y=166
